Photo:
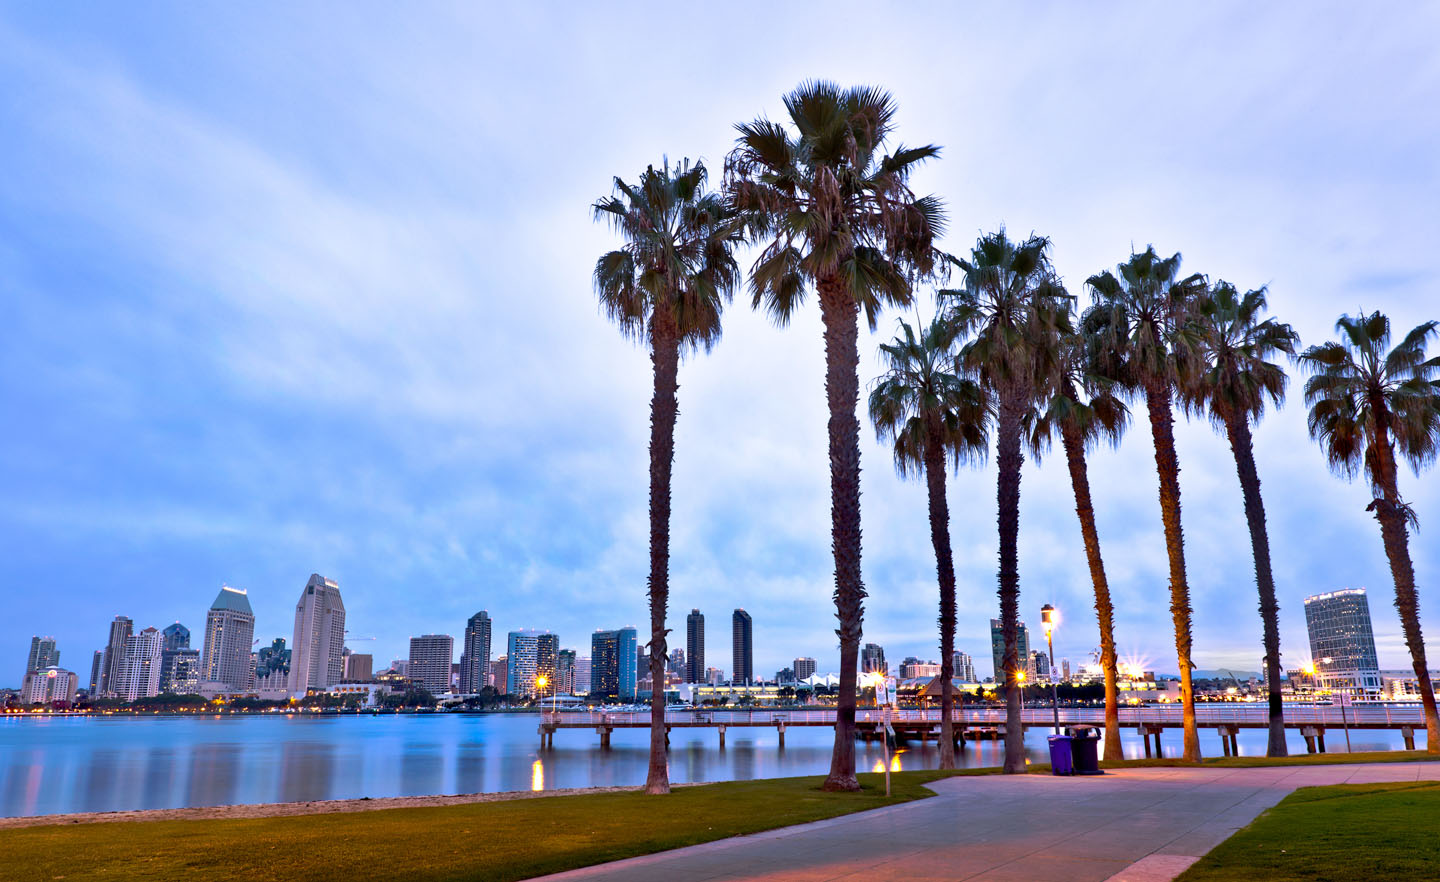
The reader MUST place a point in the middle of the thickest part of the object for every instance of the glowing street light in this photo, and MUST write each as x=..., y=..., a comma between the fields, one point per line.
x=1049, y=619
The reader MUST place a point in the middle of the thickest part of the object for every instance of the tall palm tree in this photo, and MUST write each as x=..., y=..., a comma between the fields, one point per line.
x=837, y=214
x=1145, y=310
x=1016, y=310
x=1082, y=411
x=1369, y=406
x=666, y=287
x=1235, y=377
x=932, y=414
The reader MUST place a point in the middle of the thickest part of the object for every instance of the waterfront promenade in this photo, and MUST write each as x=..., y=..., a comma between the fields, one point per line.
x=1130, y=825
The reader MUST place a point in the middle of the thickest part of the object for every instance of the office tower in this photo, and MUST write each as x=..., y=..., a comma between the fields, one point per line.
x=499, y=676
x=229, y=631
x=175, y=636
x=475, y=653
x=179, y=670
x=1339, y=626
x=963, y=667
x=139, y=673
x=803, y=667
x=677, y=662
x=565, y=672
x=120, y=630
x=96, y=663
x=1040, y=665
x=49, y=685
x=1065, y=670
x=642, y=662
x=359, y=667
x=997, y=649
x=872, y=659
x=530, y=653
x=612, y=654
x=43, y=654
x=714, y=676
x=272, y=666
x=429, y=663
x=581, y=685
x=742, y=648
x=695, y=647
x=316, y=660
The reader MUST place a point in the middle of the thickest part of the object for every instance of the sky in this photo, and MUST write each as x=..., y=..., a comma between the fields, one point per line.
x=306, y=288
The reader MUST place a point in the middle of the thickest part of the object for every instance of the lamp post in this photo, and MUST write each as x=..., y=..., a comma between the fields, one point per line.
x=1049, y=618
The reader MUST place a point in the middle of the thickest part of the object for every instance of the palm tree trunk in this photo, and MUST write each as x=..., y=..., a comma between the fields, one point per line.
x=665, y=355
x=1237, y=427
x=841, y=316
x=945, y=572
x=1167, y=464
x=1104, y=610
x=1009, y=460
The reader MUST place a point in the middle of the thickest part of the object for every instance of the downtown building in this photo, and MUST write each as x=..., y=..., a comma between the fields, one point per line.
x=179, y=664
x=359, y=667
x=613, y=662
x=1022, y=650
x=429, y=664
x=1342, y=642
x=530, y=653
x=229, y=631
x=803, y=667
x=872, y=659
x=43, y=654
x=475, y=653
x=695, y=647
x=51, y=684
x=963, y=667
x=317, y=651
x=114, y=654
x=742, y=648
x=139, y=673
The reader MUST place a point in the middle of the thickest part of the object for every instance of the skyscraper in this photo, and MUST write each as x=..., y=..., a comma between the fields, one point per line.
x=120, y=630
x=499, y=677
x=475, y=653
x=612, y=664
x=742, y=648
x=695, y=647
x=229, y=631
x=964, y=667
x=1342, y=643
x=316, y=652
x=872, y=659
x=360, y=667
x=139, y=673
x=565, y=672
x=97, y=663
x=581, y=685
x=803, y=667
x=430, y=659
x=530, y=652
x=997, y=649
x=43, y=654
x=677, y=662
x=175, y=636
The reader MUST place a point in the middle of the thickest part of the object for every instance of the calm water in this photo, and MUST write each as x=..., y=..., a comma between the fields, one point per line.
x=89, y=764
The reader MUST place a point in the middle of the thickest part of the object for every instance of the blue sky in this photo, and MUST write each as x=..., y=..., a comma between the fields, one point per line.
x=306, y=289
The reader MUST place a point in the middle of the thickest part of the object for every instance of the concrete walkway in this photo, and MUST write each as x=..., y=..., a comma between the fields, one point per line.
x=1136, y=825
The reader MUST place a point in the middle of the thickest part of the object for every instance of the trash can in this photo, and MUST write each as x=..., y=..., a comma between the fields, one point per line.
x=1085, y=749
x=1060, y=759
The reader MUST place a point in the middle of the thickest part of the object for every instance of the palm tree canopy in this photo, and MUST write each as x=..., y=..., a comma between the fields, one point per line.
x=1361, y=390
x=1149, y=304
x=830, y=204
x=1235, y=374
x=923, y=391
x=1080, y=400
x=1013, y=304
x=679, y=242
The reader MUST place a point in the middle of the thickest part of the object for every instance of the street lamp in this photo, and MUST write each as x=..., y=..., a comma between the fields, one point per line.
x=540, y=683
x=1049, y=618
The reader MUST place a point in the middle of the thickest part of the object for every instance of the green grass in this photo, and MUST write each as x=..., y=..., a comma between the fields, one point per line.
x=1345, y=832
x=493, y=841
x=1303, y=759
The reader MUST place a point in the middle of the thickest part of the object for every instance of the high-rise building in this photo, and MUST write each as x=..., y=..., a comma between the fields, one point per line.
x=1040, y=665
x=714, y=676
x=742, y=648
x=1065, y=670
x=316, y=653
x=612, y=664
x=565, y=672
x=677, y=662
x=581, y=685
x=872, y=659
x=475, y=653
x=274, y=660
x=499, y=677
x=695, y=647
x=1342, y=642
x=120, y=630
x=179, y=670
x=49, y=685
x=43, y=654
x=97, y=663
x=173, y=637
x=531, y=653
x=139, y=673
x=803, y=667
x=963, y=667
x=430, y=659
x=997, y=649
x=229, y=631
x=359, y=667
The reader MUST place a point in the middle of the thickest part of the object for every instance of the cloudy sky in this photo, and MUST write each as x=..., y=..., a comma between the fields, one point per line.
x=306, y=289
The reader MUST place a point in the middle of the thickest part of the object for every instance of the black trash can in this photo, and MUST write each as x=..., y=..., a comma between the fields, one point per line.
x=1085, y=749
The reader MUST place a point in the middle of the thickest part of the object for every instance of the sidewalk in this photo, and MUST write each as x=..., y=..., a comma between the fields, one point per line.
x=1135, y=825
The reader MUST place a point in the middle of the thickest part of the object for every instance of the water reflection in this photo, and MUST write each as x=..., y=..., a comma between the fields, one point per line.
x=537, y=775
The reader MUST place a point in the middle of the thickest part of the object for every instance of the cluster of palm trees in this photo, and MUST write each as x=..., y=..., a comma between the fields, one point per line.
x=827, y=201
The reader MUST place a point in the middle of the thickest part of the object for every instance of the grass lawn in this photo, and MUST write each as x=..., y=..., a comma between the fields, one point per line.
x=1300, y=759
x=491, y=841
x=1344, y=832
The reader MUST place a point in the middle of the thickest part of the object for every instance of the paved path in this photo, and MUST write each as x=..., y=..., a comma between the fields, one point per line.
x=1135, y=825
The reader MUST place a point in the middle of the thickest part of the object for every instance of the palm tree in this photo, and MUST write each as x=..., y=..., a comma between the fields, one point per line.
x=1144, y=311
x=1083, y=410
x=1015, y=309
x=932, y=413
x=1367, y=405
x=836, y=213
x=667, y=287
x=1234, y=380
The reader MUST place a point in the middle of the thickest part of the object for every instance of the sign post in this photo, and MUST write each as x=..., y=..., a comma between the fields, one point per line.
x=885, y=737
x=1345, y=699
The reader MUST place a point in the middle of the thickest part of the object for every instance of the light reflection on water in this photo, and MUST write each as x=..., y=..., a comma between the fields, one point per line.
x=55, y=765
